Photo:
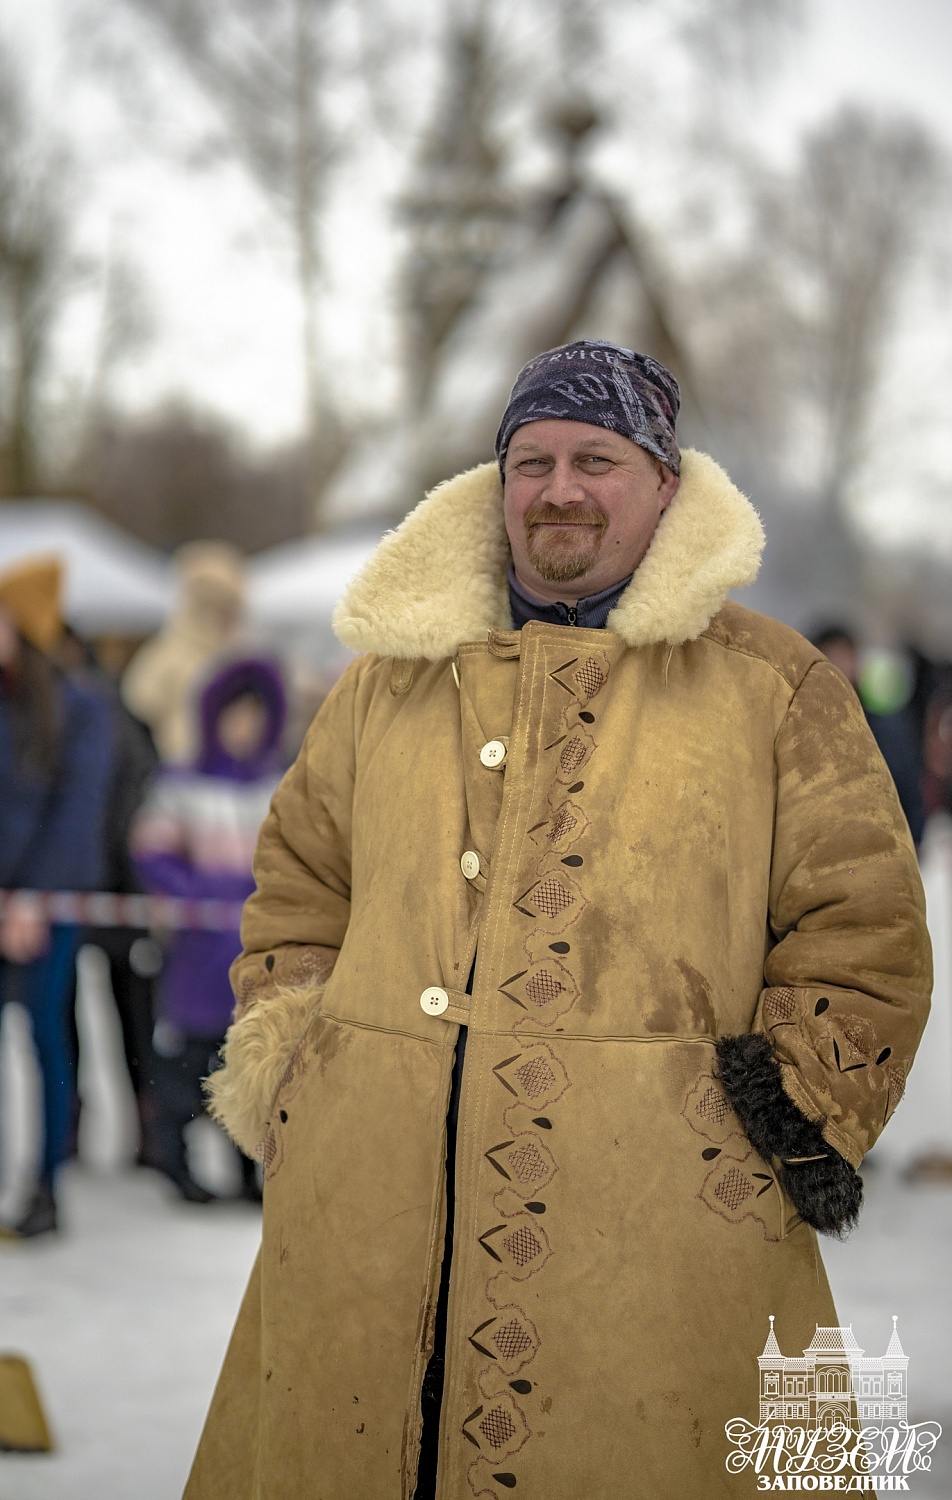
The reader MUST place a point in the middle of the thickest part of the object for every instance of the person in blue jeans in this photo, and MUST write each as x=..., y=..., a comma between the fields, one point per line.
x=56, y=759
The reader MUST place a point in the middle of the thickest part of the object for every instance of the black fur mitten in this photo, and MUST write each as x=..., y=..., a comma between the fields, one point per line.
x=823, y=1187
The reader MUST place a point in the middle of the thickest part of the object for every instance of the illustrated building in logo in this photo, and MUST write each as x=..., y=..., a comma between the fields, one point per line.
x=833, y=1382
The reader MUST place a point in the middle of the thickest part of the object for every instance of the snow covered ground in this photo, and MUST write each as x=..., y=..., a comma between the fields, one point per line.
x=126, y=1314
x=125, y=1318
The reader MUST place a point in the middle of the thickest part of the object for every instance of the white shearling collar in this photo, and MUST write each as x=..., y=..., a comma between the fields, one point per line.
x=439, y=579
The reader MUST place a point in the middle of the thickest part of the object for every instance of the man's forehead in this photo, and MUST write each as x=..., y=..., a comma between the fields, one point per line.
x=576, y=434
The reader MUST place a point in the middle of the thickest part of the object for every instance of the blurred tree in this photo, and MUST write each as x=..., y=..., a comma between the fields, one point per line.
x=168, y=478
x=458, y=209
x=801, y=317
x=562, y=168
x=123, y=325
x=844, y=230
x=37, y=269
x=176, y=477
x=461, y=94
x=267, y=67
x=501, y=262
x=849, y=228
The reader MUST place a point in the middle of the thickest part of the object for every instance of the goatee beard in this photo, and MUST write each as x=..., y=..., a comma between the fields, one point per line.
x=563, y=569
x=563, y=562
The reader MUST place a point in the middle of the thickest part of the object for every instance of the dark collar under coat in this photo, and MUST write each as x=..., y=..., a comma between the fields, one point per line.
x=588, y=614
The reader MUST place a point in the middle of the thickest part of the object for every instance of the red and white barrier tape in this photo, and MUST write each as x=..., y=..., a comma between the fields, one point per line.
x=105, y=909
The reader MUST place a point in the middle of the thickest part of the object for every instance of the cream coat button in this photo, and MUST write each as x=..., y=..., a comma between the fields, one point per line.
x=469, y=864
x=434, y=1000
x=493, y=753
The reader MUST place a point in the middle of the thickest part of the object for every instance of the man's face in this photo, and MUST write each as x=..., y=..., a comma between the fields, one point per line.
x=581, y=506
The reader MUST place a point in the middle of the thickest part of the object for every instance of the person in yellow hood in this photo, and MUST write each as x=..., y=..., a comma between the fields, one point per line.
x=587, y=960
x=163, y=681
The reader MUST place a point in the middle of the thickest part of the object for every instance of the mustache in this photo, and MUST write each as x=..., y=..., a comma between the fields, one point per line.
x=546, y=514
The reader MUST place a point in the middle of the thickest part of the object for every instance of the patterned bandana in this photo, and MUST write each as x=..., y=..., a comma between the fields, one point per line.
x=594, y=381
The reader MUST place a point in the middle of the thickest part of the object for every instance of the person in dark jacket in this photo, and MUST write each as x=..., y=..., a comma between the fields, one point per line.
x=56, y=757
x=133, y=956
x=194, y=838
x=894, y=733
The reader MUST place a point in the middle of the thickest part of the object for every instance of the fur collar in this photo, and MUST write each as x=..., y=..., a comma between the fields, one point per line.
x=440, y=578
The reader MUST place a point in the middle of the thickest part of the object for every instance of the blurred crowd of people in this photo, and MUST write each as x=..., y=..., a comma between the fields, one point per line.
x=155, y=780
x=908, y=705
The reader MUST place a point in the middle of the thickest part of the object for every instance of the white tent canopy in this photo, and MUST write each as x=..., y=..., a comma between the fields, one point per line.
x=295, y=586
x=114, y=584
x=117, y=584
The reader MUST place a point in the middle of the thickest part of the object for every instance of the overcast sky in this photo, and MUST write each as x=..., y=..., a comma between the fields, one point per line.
x=222, y=296
x=895, y=53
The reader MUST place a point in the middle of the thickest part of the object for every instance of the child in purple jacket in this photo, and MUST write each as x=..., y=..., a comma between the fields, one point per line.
x=195, y=838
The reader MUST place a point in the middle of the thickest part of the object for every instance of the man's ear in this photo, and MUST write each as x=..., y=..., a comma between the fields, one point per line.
x=668, y=483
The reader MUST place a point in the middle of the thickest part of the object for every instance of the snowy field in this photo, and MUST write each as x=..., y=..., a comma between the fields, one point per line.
x=125, y=1318
x=126, y=1313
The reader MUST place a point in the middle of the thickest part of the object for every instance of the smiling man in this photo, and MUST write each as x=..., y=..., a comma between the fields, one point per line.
x=588, y=958
x=580, y=506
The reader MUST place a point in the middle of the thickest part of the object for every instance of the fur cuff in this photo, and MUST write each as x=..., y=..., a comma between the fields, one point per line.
x=823, y=1187
x=255, y=1054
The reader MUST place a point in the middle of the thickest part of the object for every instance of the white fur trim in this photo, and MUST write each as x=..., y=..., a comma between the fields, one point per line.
x=708, y=542
x=256, y=1052
x=439, y=579
x=436, y=581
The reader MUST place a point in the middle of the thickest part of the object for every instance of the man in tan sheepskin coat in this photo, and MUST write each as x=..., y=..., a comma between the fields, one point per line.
x=633, y=848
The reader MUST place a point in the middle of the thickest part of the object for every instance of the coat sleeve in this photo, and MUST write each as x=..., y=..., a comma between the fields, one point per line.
x=848, y=975
x=294, y=923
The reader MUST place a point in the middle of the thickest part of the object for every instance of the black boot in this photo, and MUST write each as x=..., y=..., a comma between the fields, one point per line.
x=192, y=1191
x=40, y=1215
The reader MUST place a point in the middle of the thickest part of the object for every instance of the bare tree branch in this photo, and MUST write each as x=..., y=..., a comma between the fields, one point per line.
x=267, y=66
x=37, y=264
x=844, y=231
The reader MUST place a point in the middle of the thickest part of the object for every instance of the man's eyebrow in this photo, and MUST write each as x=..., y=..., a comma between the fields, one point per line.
x=539, y=449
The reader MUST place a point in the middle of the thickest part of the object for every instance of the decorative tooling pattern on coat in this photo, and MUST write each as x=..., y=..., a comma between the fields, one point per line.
x=738, y=1185
x=846, y=1042
x=536, y=1075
